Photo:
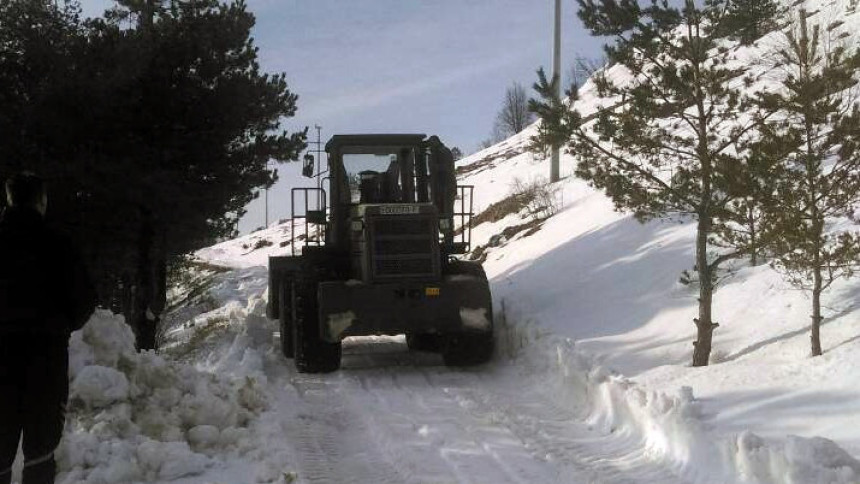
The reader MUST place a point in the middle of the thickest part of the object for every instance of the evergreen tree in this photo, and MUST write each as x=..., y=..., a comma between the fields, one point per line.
x=666, y=141
x=154, y=138
x=753, y=186
x=202, y=125
x=749, y=20
x=816, y=142
x=36, y=38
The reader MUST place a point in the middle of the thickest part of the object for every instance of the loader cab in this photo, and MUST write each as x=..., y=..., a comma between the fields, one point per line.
x=404, y=171
x=392, y=205
x=390, y=208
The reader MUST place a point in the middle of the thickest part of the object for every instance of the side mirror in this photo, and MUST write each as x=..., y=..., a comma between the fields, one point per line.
x=308, y=167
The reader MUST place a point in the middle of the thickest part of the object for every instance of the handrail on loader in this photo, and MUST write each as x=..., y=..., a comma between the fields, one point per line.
x=311, y=217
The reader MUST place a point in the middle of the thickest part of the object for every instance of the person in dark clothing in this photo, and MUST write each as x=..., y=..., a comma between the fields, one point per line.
x=45, y=294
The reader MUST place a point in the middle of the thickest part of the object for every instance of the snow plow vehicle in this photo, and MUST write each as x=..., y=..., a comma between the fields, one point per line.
x=373, y=254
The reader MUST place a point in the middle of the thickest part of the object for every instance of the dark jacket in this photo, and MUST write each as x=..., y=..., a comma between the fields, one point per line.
x=44, y=285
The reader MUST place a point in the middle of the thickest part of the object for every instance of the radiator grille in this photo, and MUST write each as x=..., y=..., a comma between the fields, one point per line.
x=400, y=225
x=404, y=246
x=411, y=266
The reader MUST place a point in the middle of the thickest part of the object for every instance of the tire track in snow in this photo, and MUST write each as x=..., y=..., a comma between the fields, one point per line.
x=560, y=434
x=330, y=438
x=392, y=416
x=501, y=449
x=439, y=433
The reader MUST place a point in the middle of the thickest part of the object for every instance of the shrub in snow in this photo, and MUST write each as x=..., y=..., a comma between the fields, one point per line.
x=539, y=197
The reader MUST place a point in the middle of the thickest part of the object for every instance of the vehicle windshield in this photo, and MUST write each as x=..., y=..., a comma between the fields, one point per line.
x=373, y=172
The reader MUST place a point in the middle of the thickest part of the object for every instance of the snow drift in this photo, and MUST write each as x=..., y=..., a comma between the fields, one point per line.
x=672, y=427
x=139, y=417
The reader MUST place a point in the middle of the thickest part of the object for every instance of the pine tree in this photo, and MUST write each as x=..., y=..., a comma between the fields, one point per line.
x=753, y=186
x=665, y=142
x=153, y=138
x=200, y=132
x=748, y=20
x=816, y=143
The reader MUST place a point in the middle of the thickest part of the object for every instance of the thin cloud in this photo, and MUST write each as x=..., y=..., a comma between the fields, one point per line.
x=380, y=95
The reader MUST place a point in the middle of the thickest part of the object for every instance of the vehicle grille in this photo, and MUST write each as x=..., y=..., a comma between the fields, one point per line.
x=388, y=267
x=400, y=226
x=404, y=246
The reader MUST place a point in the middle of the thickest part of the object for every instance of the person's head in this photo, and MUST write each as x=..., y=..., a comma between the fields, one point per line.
x=27, y=190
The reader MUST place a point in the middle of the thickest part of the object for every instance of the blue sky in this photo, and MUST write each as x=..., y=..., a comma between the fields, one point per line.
x=436, y=67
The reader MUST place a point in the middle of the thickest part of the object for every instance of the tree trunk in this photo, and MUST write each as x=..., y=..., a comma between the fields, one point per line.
x=159, y=300
x=147, y=16
x=145, y=320
x=815, y=330
x=127, y=291
x=753, y=241
x=704, y=324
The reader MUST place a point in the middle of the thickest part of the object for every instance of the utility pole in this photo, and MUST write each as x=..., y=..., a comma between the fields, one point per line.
x=556, y=75
x=266, y=198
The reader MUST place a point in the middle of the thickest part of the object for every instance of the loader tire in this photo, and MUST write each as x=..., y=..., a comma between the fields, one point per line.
x=468, y=348
x=424, y=342
x=285, y=320
x=312, y=354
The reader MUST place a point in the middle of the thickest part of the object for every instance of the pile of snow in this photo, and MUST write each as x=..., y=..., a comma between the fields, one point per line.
x=139, y=417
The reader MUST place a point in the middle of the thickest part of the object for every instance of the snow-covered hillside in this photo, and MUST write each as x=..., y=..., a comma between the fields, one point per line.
x=612, y=284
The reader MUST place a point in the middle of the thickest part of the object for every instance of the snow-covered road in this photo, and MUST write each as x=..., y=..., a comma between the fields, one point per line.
x=395, y=416
x=221, y=405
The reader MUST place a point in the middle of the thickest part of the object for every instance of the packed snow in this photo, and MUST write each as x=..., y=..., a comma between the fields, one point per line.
x=140, y=417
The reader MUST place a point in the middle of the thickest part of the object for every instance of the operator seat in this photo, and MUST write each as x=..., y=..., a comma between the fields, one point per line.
x=370, y=186
x=391, y=192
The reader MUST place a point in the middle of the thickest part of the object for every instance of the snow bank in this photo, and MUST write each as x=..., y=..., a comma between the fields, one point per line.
x=672, y=427
x=138, y=417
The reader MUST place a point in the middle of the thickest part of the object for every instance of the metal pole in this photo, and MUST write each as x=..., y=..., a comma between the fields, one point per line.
x=319, y=175
x=266, y=197
x=319, y=157
x=556, y=75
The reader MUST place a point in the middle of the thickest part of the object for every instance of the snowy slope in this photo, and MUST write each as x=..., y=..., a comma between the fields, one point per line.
x=611, y=284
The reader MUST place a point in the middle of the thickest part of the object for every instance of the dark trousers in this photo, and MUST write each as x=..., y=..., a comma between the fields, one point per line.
x=34, y=387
